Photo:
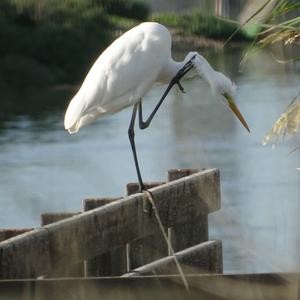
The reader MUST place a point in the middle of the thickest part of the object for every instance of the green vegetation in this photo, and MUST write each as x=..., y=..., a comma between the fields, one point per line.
x=55, y=43
x=128, y=9
x=199, y=23
x=48, y=42
x=48, y=48
x=274, y=30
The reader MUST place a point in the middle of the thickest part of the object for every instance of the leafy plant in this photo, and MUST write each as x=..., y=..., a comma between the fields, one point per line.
x=274, y=30
x=287, y=33
x=286, y=125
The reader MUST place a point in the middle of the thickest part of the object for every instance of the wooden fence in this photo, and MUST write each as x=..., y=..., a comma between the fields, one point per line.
x=117, y=236
x=120, y=236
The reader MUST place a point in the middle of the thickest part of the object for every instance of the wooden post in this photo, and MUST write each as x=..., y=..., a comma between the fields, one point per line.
x=134, y=187
x=195, y=230
x=112, y=263
x=26, y=256
x=92, y=203
x=71, y=270
x=152, y=247
x=174, y=174
x=7, y=233
x=49, y=218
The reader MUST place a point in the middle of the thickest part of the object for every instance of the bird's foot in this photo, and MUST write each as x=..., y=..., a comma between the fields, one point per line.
x=180, y=87
x=147, y=202
x=142, y=187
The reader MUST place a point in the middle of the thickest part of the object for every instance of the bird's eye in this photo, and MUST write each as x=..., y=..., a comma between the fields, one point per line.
x=227, y=98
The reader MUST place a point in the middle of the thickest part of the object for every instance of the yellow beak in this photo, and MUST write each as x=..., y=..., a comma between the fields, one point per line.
x=235, y=110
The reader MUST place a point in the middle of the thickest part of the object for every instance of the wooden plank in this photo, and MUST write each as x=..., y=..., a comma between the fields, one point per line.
x=7, y=233
x=112, y=263
x=97, y=231
x=149, y=248
x=203, y=258
x=70, y=270
x=272, y=286
x=175, y=174
x=134, y=187
x=26, y=255
x=195, y=230
x=190, y=233
x=51, y=217
x=92, y=203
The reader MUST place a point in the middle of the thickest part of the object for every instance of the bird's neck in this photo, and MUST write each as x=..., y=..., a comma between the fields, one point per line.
x=169, y=70
x=202, y=68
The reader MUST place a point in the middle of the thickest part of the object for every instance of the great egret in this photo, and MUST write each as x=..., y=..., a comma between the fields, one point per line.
x=127, y=70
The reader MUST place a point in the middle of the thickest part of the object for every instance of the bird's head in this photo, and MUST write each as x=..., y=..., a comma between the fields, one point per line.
x=225, y=89
x=221, y=85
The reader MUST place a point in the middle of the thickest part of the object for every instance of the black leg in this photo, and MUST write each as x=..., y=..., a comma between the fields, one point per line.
x=175, y=80
x=132, y=144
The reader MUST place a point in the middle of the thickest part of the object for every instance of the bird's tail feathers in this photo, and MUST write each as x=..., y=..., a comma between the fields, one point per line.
x=77, y=116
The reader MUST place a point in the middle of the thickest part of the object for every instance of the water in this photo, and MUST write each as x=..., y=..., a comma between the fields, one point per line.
x=43, y=168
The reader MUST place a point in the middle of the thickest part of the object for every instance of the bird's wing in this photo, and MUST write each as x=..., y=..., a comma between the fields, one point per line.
x=121, y=76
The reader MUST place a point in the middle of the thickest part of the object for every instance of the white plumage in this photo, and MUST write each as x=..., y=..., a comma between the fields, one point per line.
x=122, y=74
x=127, y=70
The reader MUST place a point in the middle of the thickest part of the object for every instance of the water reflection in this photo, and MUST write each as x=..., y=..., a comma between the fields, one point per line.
x=43, y=168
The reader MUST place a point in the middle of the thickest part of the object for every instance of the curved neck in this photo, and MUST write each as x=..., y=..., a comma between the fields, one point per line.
x=169, y=70
x=202, y=68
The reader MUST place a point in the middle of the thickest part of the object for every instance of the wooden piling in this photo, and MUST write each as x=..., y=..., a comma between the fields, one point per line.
x=26, y=256
x=134, y=187
x=112, y=263
x=195, y=229
x=7, y=233
x=70, y=270
x=174, y=174
x=152, y=247
x=51, y=217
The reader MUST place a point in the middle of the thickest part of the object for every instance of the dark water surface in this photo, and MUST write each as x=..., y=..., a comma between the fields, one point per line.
x=43, y=168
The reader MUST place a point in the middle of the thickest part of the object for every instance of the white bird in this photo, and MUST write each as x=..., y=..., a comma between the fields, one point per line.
x=127, y=70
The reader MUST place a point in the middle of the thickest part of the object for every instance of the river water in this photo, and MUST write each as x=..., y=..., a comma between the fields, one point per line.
x=43, y=168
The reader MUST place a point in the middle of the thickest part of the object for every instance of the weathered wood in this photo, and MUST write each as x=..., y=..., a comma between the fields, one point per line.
x=175, y=174
x=112, y=263
x=149, y=248
x=195, y=230
x=93, y=203
x=190, y=233
x=134, y=187
x=7, y=233
x=272, y=286
x=26, y=255
x=97, y=231
x=204, y=258
x=51, y=217
x=70, y=270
